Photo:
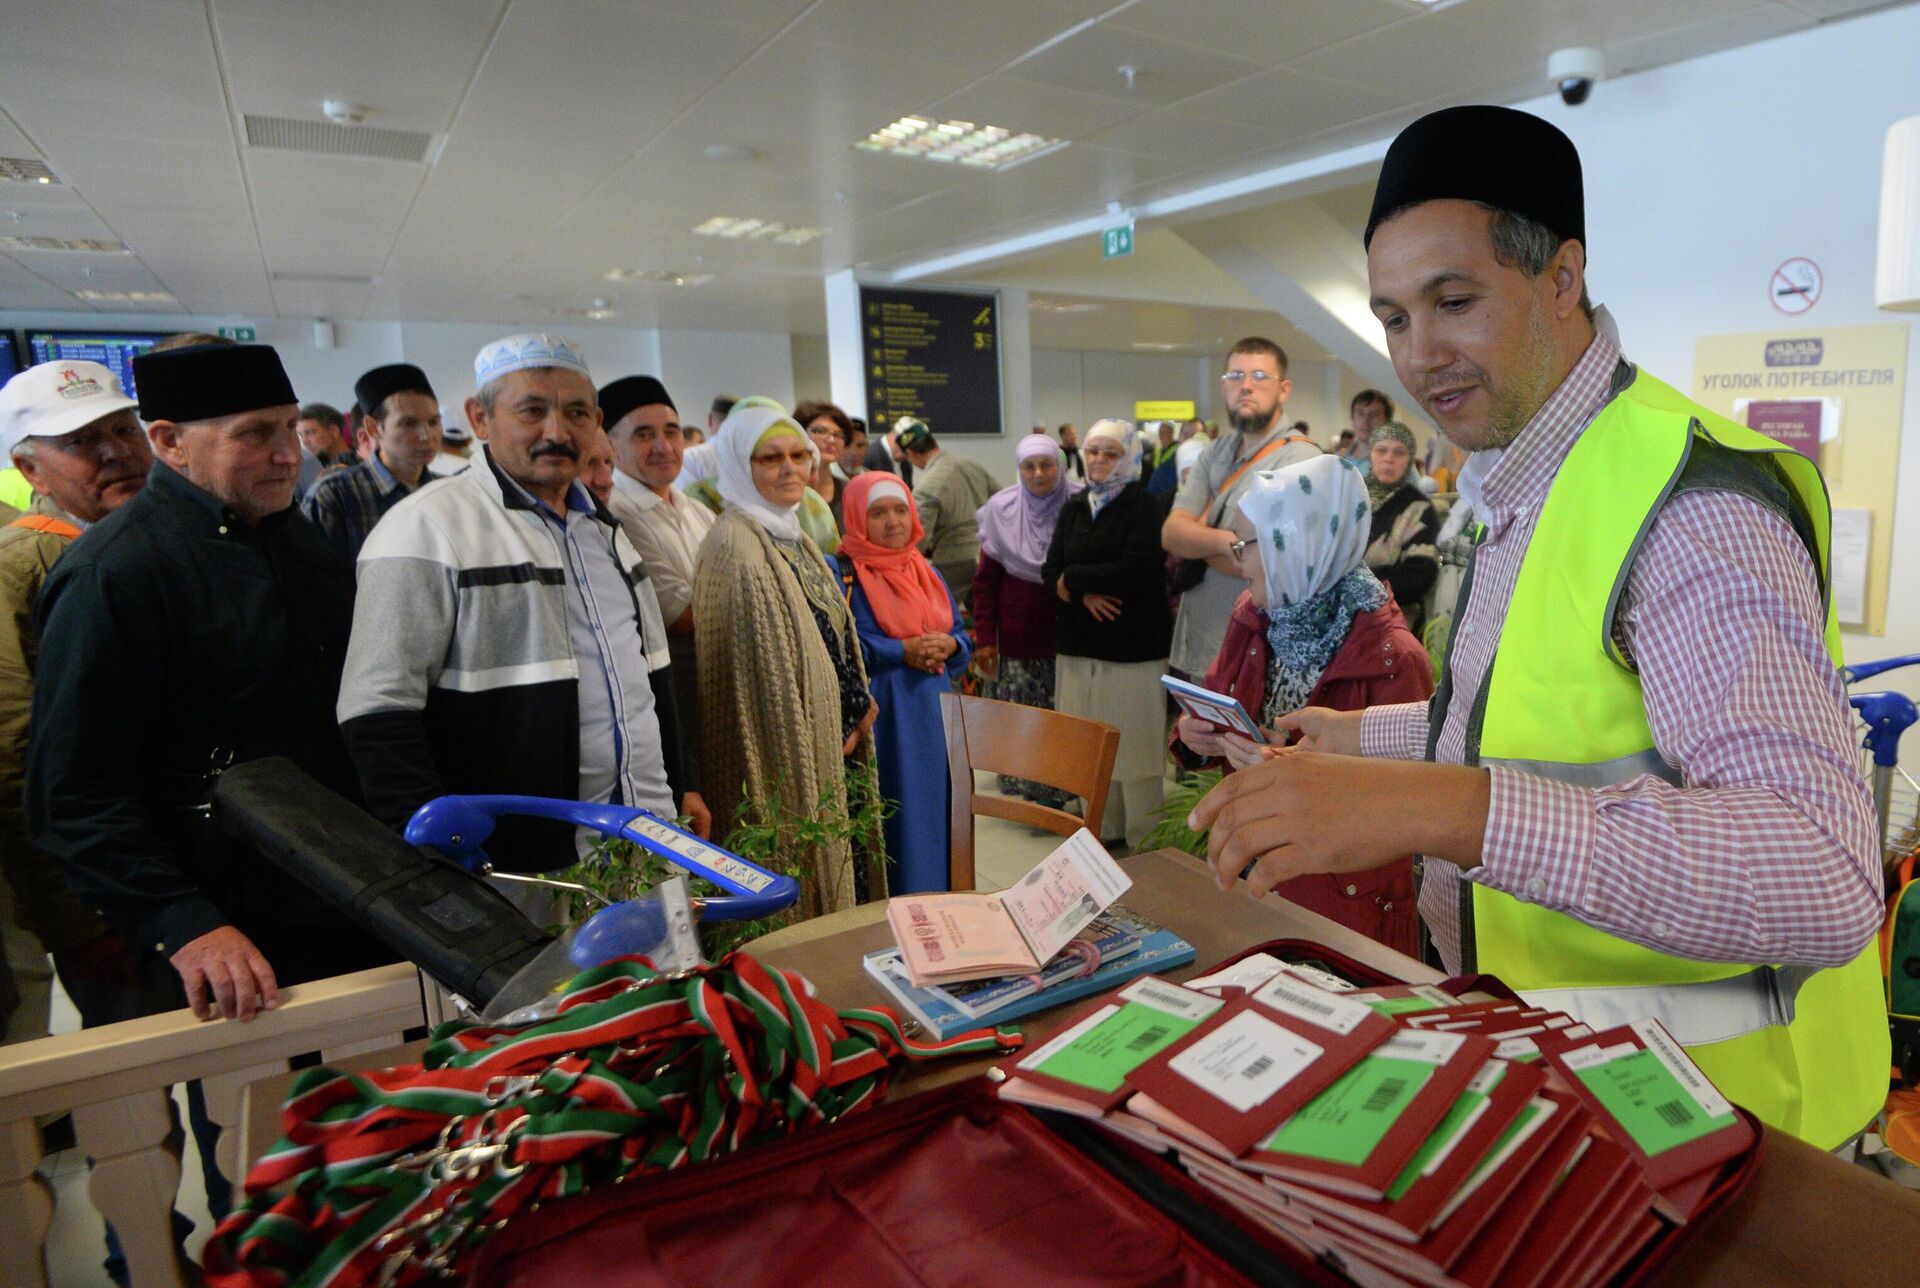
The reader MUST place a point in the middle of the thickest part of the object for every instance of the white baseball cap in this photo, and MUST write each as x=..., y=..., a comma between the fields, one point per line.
x=56, y=398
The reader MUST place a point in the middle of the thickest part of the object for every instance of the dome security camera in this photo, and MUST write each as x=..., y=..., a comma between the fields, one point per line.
x=1573, y=72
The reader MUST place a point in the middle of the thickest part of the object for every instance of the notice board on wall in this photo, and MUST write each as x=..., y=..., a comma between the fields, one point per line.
x=934, y=355
x=1836, y=394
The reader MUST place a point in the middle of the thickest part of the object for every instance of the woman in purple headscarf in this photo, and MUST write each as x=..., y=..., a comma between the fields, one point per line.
x=1013, y=613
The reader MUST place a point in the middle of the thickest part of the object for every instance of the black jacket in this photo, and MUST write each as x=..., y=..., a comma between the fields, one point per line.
x=173, y=634
x=1118, y=554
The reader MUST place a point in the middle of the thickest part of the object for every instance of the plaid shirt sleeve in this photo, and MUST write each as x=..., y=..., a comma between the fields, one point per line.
x=1769, y=852
x=1395, y=732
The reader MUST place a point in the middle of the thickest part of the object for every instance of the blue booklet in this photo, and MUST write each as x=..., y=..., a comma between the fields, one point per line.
x=943, y=1015
x=1214, y=708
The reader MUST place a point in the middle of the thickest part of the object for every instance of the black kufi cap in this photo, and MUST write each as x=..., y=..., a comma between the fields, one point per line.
x=1495, y=155
x=208, y=381
x=378, y=385
x=621, y=397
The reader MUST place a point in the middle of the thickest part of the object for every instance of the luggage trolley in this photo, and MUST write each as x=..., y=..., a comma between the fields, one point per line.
x=428, y=899
x=1896, y=796
x=1885, y=716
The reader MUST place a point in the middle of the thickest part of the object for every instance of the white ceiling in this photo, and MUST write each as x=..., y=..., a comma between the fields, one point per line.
x=571, y=133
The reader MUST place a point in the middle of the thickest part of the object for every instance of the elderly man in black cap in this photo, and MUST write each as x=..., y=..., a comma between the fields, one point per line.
x=400, y=423
x=201, y=624
x=1639, y=799
x=665, y=526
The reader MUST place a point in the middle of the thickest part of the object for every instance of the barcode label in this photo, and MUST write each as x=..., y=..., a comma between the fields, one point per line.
x=1174, y=999
x=1245, y=1060
x=1426, y=1047
x=1304, y=1002
x=1384, y=1095
x=1681, y=1066
x=1147, y=1037
x=1674, y=1114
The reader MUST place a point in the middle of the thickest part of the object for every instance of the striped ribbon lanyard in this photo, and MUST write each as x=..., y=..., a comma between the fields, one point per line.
x=396, y=1175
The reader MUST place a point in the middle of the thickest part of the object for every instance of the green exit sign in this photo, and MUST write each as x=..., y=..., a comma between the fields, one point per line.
x=244, y=334
x=1119, y=241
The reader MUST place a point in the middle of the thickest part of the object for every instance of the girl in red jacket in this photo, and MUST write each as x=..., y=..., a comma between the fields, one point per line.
x=1315, y=628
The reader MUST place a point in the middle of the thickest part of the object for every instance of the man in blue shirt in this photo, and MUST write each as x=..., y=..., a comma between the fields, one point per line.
x=401, y=418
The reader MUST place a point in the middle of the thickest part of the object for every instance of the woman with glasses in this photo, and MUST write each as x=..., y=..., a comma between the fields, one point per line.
x=915, y=648
x=1105, y=569
x=784, y=704
x=817, y=518
x=829, y=428
x=1314, y=627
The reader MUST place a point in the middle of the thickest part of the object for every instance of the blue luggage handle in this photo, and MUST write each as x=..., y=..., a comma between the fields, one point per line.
x=1887, y=715
x=457, y=826
x=1867, y=670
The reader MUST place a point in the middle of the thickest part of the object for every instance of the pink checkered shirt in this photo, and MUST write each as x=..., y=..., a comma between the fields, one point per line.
x=1769, y=852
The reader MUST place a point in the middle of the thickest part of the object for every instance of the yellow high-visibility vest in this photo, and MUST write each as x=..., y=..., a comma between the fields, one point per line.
x=1805, y=1049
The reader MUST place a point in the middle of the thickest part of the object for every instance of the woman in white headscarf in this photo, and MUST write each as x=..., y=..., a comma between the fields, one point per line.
x=1315, y=628
x=1105, y=569
x=1013, y=613
x=784, y=702
x=815, y=512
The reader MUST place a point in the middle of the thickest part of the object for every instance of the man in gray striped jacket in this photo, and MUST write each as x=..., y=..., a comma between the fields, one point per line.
x=505, y=636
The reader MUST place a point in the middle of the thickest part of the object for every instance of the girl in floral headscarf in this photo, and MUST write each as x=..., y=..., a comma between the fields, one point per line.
x=1315, y=628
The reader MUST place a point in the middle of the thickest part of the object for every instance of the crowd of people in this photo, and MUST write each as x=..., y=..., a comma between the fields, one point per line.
x=561, y=589
x=596, y=601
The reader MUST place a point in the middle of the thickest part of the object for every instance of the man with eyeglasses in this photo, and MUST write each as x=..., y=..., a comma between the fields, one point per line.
x=77, y=439
x=1255, y=388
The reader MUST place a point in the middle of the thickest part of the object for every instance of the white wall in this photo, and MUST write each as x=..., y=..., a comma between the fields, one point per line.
x=1082, y=387
x=812, y=371
x=1702, y=177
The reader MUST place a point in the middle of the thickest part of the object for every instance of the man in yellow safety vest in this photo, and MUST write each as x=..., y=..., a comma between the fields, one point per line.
x=1635, y=789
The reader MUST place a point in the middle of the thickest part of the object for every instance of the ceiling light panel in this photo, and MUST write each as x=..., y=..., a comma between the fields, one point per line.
x=25, y=170
x=128, y=297
x=982, y=147
x=93, y=245
x=671, y=277
x=757, y=230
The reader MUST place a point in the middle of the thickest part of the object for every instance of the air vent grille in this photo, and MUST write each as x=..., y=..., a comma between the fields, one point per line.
x=322, y=279
x=25, y=170
x=337, y=140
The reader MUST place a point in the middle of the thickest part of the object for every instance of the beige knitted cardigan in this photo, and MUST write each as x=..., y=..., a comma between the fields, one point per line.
x=769, y=710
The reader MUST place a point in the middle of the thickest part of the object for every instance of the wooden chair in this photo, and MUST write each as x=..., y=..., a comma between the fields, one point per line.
x=1060, y=751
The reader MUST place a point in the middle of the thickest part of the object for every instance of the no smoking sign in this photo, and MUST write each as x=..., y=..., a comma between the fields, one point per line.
x=1796, y=286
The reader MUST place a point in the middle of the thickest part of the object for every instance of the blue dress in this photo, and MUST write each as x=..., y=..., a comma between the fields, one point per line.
x=910, y=742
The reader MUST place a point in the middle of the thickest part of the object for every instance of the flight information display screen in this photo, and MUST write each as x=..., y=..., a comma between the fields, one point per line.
x=9, y=357
x=114, y=350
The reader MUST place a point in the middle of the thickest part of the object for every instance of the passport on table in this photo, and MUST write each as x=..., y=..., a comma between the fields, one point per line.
x=946, y=938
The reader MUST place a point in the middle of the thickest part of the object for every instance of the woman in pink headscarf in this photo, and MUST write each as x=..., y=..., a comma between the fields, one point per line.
x=914, y=643
x=1013, y=612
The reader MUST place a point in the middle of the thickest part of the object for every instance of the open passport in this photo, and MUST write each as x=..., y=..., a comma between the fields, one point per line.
x=946, y=938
